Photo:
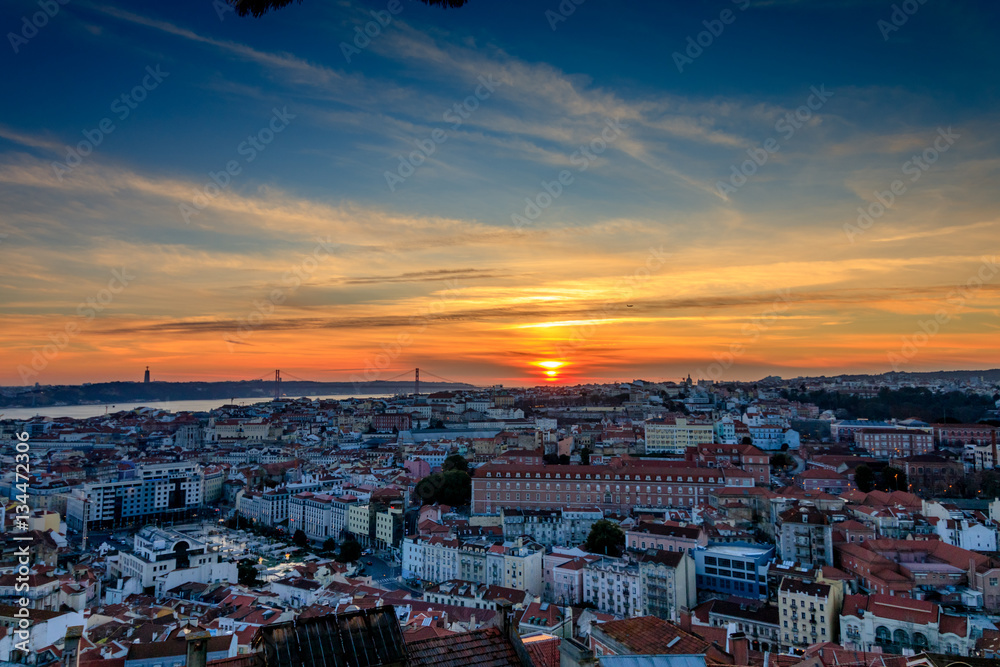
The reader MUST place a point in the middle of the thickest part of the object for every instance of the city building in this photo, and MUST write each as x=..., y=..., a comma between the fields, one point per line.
x=893, y=625
x=158, y=492
x=810, y=613
x=667, y=583
x=805, y=535
x=895, y=443
x=673, y=435
x=736, y=568
x=162, y=559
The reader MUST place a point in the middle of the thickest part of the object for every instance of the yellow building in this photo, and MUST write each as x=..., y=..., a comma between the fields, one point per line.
x=359, y=522
x=809, y=613
x=674, y=435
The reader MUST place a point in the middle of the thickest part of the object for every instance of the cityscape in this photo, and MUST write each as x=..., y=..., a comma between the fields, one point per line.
x=535, y=333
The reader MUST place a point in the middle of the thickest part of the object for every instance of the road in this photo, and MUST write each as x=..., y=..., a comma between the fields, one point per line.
x=379, y=570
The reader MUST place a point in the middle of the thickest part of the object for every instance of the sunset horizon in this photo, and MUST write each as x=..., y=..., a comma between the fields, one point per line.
x=532, y=196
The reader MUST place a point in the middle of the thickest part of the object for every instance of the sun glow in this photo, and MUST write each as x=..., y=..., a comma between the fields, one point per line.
x=551, y=365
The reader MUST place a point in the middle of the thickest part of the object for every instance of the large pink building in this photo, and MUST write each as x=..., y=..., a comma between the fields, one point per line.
x=895, y=443
x=618, y=487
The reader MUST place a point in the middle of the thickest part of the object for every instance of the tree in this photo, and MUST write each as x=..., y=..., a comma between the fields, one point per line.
x=455, y=462
x=258, y=8
x=299, y=539
x=329, y=545
x=606, y=537
x=585, y=456
x=451, y=487
x=864, y=478
x=350, y=551
x=246, y=572
x=893, y=479
x=564, y=459
x=780, y=461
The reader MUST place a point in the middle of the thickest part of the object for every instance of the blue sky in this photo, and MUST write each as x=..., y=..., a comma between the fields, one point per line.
x=443, y=237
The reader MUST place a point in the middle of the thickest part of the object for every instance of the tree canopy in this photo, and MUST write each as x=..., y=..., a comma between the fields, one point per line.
x=350, y=551
x=450, y=487
x=606, y=537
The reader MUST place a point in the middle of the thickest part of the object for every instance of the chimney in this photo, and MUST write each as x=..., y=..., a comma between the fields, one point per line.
x=71, y=646
x=739, y=647
x=197, y=649
x=685, y=619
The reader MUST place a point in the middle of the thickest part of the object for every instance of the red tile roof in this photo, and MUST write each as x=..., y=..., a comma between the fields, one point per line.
x=488, y=647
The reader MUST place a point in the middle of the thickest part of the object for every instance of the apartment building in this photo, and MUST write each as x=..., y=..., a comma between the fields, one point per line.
x=895, y=443
x=810, y=613
x=550, y=527
x=158, y=492
x=319, y=515
x=612, y=585
x=667, y=583
x=667, y=536
x=515, y=564
x=673, y=435
x=805, y=535
x=268, y=507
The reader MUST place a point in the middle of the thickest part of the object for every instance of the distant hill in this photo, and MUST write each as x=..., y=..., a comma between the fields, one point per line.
x=991, y=375
x=137, y=392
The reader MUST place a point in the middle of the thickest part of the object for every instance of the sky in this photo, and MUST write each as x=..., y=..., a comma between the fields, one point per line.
x=518, y=192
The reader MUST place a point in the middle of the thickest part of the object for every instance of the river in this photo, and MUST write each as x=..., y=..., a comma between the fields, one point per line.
x=199, y=405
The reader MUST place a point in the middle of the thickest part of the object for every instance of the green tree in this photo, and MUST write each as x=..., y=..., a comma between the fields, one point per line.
x=455, y=462
x=864, y=478
x=585, y=456
x=452, y=487
x=330, y=545
x=350, y=551
x=606, y=537
x=299, y=539
x=564, y=459
x=246, y=572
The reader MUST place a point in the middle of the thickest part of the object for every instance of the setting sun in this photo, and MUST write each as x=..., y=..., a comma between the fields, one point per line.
x=551, y=365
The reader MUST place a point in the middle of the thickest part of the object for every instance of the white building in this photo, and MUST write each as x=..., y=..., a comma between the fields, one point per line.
x=613, y=585
x=269, y=507
x=516, y=564
x=893, y=624
x=162, y=559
